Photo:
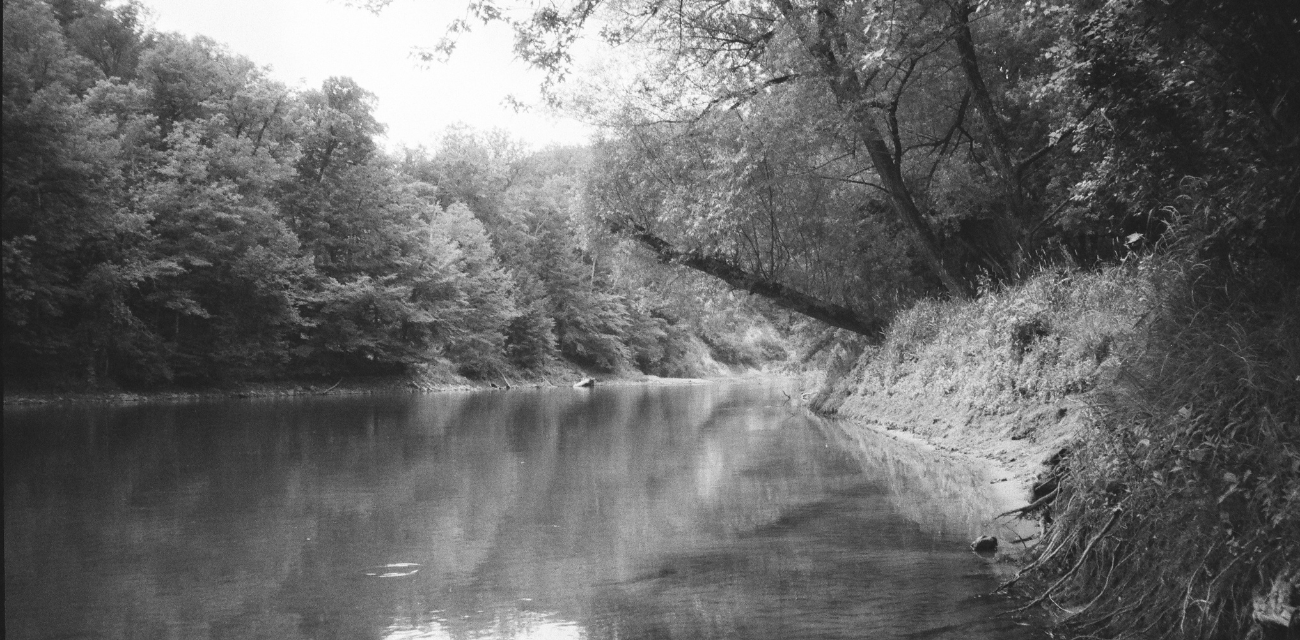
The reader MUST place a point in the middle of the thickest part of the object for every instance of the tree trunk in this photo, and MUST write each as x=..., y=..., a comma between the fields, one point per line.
x=1009, y=225
x=850, y=94
x=999, y=144
x=779, y=294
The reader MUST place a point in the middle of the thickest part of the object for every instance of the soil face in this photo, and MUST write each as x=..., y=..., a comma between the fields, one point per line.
x=1021, y=441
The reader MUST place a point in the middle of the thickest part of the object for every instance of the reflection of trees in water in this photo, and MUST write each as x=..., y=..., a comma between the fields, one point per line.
x=150, y=528
x=248, y=518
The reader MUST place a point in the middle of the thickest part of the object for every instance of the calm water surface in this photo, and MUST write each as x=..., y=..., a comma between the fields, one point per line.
x=707, y=511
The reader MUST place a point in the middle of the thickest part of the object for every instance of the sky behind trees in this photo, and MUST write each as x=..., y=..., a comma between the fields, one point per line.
x=307, y=41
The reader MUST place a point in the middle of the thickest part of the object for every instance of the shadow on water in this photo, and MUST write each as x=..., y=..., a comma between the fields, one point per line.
x=703, y=511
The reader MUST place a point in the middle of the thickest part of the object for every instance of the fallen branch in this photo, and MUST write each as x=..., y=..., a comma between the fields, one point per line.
x=336, y=384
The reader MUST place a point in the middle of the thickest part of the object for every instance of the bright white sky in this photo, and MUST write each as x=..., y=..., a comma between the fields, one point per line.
x=306, y=41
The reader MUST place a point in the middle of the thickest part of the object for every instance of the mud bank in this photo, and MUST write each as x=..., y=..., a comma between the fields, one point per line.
x=988, y=487
x=1018, y=446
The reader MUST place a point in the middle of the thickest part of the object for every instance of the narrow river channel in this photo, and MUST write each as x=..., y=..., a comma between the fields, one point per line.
x=684, y=512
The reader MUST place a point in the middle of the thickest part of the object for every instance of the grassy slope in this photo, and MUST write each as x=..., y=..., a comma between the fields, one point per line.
x=1007, y=375
x=1176, y=395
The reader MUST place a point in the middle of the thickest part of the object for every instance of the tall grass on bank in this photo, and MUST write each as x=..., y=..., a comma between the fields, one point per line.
x=1181, y=505
x=1054, y=336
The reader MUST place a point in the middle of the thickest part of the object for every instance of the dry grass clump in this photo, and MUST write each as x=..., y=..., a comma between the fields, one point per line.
x=1182, y=506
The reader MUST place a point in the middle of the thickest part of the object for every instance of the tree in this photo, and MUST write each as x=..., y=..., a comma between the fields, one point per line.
x=489, y=297
x=237, y=280
x=1195, y=124
x=782, y=213
x=589, y=316
x=112, y=38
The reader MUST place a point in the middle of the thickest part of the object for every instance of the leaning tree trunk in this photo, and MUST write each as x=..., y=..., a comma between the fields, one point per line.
x=781, y=295
x=998, y=144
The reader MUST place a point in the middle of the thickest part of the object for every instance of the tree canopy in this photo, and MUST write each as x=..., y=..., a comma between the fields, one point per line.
x=845, y=153
x=172, y=213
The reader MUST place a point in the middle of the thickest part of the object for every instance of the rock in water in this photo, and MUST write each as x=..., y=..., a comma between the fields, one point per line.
x=984, y=544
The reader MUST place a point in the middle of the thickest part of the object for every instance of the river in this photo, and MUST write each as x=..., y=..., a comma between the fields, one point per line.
x=684, y=512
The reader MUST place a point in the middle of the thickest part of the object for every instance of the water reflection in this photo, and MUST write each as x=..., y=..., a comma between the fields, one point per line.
x=525, y=626
x=634, y=512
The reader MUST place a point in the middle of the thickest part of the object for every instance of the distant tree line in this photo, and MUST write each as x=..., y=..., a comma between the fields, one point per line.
x=171, y=213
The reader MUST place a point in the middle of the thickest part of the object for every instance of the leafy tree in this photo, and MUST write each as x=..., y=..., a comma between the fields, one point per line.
x=112, y=38
x=474, y=169
x=182, y=74
x=389, y=294
x=590, y=319
x=1194, y=122
x=784, y=214
x=488, y=296
x=238, y=279
x=69, y=247
x=530, y=335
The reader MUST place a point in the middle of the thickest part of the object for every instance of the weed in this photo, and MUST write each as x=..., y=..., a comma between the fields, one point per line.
x=1182, y=504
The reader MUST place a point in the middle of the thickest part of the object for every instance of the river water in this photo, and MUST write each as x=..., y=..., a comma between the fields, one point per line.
x=685, y=512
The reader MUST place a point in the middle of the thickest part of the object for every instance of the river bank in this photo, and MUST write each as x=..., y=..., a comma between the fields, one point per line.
x=1147, y=410
x=1010, y=378
x=1019, y=444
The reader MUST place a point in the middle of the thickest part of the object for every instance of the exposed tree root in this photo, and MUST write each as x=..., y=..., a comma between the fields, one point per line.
x=1114, y=517
x=1031, y=507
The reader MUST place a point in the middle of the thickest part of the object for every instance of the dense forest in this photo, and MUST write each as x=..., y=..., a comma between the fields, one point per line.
x=172, y=214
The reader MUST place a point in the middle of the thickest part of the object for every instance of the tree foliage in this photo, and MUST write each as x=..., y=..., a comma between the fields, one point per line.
x=172, y=213
x=981, y=137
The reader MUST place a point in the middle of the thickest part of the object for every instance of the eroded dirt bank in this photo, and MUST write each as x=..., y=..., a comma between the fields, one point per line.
x=1009, y=377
